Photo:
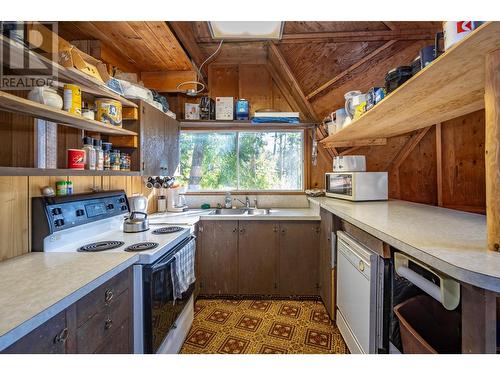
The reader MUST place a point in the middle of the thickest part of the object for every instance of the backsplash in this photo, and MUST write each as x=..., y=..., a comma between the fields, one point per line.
x=263, y=201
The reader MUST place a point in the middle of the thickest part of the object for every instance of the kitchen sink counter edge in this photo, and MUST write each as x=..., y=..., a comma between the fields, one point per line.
x=192, y=216
x=37, y=286
x=450, y=241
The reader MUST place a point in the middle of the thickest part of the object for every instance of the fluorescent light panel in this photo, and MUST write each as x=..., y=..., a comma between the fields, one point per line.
x=246, y=29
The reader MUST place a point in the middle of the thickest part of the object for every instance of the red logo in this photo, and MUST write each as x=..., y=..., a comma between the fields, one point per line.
x=464, y=26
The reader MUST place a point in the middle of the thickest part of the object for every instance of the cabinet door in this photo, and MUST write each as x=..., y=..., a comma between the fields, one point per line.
x=49, y=338
x=298, y=258
x=257, y=257
x=152, y=139
x=172, y=152
x=219, y=257
x=325, y=260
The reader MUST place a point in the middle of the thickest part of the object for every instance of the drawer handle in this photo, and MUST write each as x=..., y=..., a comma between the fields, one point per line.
x=108, y=295
x=108, y=323
x=361, y=265
x=61, y=337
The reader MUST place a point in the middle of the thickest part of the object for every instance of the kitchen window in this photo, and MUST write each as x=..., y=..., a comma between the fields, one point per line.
x=242, y=160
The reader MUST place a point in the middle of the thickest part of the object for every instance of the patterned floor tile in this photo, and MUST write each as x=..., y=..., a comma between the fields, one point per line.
x=200, y=338
x=234, y=345
x=260, y=305
x=282, y=330
x=249, y=323
x=262, y=326
x=268, y=349
x=219, y=316
x=321, y=317
x=319, y=339
x=289, y=311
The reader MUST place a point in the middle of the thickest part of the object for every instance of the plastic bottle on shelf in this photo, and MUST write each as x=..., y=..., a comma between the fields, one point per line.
x=90, y=154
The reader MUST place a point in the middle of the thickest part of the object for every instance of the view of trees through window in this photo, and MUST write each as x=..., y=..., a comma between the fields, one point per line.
x=242, y=160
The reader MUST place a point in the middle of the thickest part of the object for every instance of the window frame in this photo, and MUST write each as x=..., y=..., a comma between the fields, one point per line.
x=253, y=192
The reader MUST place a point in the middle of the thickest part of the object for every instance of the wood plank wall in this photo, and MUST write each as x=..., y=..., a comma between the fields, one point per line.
x=459, y=185
x=15, y=203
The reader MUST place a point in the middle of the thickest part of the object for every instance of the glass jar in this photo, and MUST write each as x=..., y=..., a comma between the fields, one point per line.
x=61, y=188
x=125, y=162
x=115, y=160
x=106, y=146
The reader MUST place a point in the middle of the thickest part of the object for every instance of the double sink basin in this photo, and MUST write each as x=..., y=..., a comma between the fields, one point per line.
x=241, y=211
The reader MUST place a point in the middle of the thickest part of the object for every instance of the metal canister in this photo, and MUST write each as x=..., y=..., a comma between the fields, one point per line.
x=72, y=96
x=109, y=111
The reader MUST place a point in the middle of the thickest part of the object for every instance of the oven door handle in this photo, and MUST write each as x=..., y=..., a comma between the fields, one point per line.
x=171, y=259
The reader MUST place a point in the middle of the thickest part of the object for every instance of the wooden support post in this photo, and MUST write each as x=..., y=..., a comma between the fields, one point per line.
x=439, y=165
x=492, y=148
x=478, y=320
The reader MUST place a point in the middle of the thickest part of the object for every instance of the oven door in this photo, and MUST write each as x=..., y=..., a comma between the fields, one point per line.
x=160, y=309
x=339, y=185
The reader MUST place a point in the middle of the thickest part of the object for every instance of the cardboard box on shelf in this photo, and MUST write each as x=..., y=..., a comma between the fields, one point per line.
x=72, y=57
x=224, y=109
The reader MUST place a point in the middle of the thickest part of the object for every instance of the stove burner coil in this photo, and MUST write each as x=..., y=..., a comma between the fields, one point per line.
x=101, y=246
x=141, y=246
x=167, y=230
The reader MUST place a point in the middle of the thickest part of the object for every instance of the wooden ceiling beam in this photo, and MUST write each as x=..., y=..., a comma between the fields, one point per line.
x=276, y=57
x=360, y=36
x=183, y=31
x=357, y=143
x=350, y=69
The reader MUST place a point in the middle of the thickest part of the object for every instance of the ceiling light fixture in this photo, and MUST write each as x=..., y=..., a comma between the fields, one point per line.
x=246, y=29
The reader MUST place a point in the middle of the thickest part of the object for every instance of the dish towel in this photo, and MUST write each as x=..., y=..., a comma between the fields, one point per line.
x=184, y=269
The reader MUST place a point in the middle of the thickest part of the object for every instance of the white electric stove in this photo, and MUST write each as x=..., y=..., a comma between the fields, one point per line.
x=93, y=222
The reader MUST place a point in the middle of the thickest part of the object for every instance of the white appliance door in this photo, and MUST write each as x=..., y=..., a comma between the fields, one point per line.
x=353, y=297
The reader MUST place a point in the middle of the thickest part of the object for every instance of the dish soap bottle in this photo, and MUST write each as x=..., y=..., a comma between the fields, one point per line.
x=228, y=200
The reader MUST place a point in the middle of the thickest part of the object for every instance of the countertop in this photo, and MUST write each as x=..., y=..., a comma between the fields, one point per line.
x=37, y=286
x=192, y=216
x=450, y=241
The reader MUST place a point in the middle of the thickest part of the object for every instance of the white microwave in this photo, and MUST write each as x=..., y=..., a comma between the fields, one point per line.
x=357, y=186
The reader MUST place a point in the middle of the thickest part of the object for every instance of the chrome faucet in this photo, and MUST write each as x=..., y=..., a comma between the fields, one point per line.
x=246, y=203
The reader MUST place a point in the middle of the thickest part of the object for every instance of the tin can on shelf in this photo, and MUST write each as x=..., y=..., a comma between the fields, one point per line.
x=61, y=188
x=72, y=96
x=109, y=111
x=76, y=158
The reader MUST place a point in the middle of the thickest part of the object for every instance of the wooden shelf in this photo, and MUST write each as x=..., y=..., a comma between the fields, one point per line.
x=15, y=171
x=87, y=83
x=451, y=86
x=12, y=103
x=240, y=124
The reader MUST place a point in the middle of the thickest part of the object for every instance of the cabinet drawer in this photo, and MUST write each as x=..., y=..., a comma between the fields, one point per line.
x=49, y=338
x=119, y=341
x=102, y=326
x=97, y=300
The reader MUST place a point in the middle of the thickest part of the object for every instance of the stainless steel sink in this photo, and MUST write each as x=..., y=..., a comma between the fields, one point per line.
x=241, y=211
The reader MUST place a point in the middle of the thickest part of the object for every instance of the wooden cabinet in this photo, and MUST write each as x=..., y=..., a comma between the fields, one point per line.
x=298, y=258
x=52, y=337
x=158, y=148
x=257, y=257
x=100, y=322
x=326, y=289
x=218, y=258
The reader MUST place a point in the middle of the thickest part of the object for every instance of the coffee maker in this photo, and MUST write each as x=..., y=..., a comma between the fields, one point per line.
x=176, y=201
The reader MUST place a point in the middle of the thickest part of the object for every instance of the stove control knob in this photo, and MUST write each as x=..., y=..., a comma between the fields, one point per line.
x=56, y=211
x=59, y=222
x=80, y=212
x=124, y=208
x=121, y=200
x=110, y=206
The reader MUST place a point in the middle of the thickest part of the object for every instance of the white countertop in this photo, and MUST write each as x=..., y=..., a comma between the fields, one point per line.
x=450, y=241
x=192, y=216
x=37, y=286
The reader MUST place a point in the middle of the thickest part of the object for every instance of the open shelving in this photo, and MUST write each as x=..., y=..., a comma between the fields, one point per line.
x=449, y=87
x=19, y=171
x=13, y=103
x=240, y=124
